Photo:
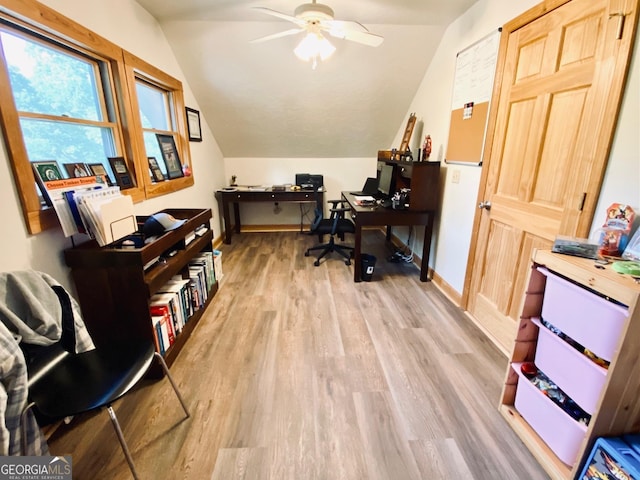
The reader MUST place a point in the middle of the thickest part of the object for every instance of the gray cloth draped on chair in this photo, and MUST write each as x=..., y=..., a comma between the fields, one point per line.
x=30, y=312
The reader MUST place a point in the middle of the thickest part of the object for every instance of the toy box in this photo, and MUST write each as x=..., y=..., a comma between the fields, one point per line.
x=592, y=321
x=555, y=427
x=613, y=458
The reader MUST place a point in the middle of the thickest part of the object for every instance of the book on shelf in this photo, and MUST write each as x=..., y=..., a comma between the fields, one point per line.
x=205, y=259
x=161, y=333
x=163, y=304
x=179, y=298
x=157, y=333
x=197, y=286
x=184, y=293
x=176, y=290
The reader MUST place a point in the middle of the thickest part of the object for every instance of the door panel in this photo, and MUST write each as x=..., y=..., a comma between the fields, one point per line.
x=552, y=129
x=556, y=166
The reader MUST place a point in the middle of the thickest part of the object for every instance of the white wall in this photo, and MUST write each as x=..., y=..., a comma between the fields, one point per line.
x=622, y=178
x=432, y=105
x=126, y=24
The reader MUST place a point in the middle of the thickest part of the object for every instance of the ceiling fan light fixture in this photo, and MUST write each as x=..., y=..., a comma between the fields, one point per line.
x=314, y=46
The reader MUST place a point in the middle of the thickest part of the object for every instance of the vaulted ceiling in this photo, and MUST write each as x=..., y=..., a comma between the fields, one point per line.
x=261, y=101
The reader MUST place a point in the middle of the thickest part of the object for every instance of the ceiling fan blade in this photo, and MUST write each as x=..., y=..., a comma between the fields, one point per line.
x=293, y=31
x=283, y=16
x=365, y=38
x=343, y=25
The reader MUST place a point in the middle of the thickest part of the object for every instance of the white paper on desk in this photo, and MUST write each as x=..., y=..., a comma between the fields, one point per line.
x=364, y=198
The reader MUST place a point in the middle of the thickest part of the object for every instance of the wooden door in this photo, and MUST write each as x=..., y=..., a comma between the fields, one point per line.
x=561, y=71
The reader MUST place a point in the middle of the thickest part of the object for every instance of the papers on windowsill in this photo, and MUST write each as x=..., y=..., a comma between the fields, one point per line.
x=86, y=205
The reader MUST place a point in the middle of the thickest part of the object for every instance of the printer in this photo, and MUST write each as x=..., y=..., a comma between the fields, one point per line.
x=309, y=181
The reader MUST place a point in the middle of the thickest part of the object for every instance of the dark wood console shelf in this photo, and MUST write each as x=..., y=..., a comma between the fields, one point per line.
x=114, y=288
x=423, y=178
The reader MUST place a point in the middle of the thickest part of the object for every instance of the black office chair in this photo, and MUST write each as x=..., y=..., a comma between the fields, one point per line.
x=336, y=225
x=63, y=383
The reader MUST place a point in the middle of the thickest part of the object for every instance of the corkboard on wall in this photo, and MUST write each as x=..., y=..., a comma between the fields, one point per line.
x=466, y=137
x=472, y=88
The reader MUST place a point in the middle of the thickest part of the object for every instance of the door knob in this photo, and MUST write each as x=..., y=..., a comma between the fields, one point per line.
x=485, y=205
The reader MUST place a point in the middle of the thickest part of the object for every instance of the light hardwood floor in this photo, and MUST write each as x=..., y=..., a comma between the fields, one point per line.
x=297, y=373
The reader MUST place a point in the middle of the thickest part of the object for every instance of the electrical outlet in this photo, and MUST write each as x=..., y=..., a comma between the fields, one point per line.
x=455, y=176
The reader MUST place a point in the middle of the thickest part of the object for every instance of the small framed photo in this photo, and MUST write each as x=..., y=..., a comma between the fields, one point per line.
x=193, y=124
x=98, y=170
x=77, y=170
x=121, y=172
x=154, y=168
x=46, y=171
x=170, y=156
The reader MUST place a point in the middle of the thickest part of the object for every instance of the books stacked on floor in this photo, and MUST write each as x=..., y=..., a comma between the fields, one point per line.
x=177, y=300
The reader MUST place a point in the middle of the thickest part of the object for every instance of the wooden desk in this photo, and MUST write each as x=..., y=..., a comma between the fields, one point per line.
x=380, y=216
x=241, y=195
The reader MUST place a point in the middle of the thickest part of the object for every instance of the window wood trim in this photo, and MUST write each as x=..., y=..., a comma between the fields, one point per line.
x=134, y=67
x=43, y=20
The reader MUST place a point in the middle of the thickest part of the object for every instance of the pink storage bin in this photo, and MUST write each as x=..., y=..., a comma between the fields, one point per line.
x=558, y=430
x=589, y=319
x=574, y=373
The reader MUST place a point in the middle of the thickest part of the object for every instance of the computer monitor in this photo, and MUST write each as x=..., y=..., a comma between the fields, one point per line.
x=385, y=185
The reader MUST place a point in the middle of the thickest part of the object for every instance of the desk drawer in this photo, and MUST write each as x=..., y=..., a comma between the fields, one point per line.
x=272, y=196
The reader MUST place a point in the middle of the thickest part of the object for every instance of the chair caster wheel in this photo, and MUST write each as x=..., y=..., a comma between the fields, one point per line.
x=306, y=254
x=348, y=262
x=317, y=263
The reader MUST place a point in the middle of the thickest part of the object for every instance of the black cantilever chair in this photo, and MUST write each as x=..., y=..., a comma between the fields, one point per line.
x=336, y=225
x=63, y=383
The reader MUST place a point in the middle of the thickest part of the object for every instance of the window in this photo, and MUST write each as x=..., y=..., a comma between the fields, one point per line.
x=61, y=99
x=71, y=93
x=162, y=142
x=157, y=117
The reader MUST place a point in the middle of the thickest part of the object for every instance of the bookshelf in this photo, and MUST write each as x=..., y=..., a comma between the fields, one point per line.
x=614, y=410
x=114, y=289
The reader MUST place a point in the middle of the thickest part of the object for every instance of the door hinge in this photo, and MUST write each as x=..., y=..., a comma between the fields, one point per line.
x=621, y=17
x=584, y=199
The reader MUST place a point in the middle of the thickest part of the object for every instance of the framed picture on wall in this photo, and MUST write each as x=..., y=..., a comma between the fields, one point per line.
x=170, y=156
x=121, y=172
x=193, y=124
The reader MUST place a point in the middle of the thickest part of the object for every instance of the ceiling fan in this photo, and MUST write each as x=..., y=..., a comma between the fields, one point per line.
x=316, y=18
